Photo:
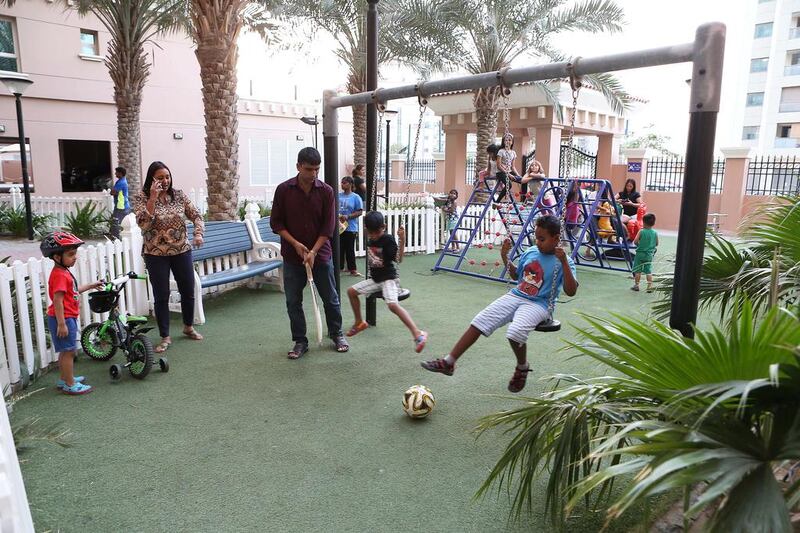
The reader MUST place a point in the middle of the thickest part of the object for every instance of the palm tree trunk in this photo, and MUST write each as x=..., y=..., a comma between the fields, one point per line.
x=356, y=84
x=485, y=102
x=216, y=26
x=129, y=145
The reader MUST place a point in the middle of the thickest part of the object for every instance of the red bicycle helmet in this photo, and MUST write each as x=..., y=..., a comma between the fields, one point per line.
x=58, y=242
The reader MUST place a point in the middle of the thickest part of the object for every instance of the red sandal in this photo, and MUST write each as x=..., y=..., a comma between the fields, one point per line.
x=357, y=328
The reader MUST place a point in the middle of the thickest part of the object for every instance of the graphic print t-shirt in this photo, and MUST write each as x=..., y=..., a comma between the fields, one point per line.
x=61, y=280
x=349, y=204
x=535, y=276
x=381, y=255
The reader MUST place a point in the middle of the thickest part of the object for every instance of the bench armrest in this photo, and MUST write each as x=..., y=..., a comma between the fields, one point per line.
x=265, y=251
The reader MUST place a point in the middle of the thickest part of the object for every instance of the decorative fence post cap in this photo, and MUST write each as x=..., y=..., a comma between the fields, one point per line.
x=738, y=152
x=638, y=153
x=252, y=211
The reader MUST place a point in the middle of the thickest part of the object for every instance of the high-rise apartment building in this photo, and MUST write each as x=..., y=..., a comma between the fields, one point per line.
x=771, y=122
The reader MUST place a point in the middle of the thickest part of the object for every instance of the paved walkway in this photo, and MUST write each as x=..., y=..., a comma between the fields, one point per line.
x=23, y=249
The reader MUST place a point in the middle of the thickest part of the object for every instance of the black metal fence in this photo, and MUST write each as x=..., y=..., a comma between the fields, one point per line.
x=469, y=175
x=666, y=175
x=584, y=165
x=773, y=176
x=424, y=171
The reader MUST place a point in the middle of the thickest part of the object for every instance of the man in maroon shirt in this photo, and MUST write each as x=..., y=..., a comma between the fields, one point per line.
x=303, y=214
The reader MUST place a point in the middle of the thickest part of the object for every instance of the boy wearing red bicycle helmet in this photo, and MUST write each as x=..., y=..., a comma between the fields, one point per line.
x=63, y=289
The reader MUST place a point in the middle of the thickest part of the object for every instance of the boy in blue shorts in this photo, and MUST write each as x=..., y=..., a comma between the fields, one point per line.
x=62, y=315
x=525, y=306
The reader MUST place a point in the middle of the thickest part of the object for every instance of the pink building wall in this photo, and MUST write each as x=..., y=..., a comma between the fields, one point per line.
x=72, y=98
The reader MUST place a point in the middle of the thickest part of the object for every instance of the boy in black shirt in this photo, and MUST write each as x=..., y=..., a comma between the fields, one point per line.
x=382, y=252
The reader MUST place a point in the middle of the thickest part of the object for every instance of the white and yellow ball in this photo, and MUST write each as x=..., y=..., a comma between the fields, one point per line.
x=418, y=401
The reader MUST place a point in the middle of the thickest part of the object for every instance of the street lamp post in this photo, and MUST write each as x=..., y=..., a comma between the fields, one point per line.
x=389, y=113
x=17, y=84
x=312, y=121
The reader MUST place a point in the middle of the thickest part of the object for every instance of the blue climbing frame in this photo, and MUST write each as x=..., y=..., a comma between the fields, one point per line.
x=588, y=247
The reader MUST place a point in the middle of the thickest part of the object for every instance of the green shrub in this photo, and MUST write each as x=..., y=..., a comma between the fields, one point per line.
x=12, y=221
x=88, y=221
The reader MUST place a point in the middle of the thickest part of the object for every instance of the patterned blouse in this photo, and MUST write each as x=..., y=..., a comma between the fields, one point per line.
x=165, y=233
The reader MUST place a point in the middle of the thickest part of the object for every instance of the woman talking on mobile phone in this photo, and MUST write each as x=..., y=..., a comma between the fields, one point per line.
x=160, y=211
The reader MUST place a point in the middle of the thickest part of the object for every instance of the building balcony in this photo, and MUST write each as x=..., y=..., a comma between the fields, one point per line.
x=791, y=70
x=787, y=142
x=794, y=33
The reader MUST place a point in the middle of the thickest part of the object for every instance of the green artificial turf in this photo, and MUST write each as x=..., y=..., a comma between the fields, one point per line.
x=236, y=437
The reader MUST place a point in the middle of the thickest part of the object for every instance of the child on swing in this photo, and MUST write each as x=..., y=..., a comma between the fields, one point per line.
x=382, y=252
x=525, y=306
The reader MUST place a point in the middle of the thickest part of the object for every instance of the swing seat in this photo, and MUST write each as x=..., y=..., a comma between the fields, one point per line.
x=402, y=294
x=548, y=326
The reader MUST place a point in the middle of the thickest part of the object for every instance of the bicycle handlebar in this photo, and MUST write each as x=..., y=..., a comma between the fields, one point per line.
x=124, y=278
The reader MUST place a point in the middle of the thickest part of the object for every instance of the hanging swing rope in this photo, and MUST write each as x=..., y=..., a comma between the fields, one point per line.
x=575, y=84
x=409, y=173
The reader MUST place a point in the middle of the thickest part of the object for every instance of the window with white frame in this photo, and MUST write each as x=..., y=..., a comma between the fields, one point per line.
x=272, y=160
x=763, y=30
x=8, y=48
x=750, y=133
x=89, y=43
x=790, y=100
x=755, y=99
x=759, y=64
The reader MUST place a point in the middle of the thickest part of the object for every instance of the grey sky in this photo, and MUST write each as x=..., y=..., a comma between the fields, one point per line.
x=650, y=23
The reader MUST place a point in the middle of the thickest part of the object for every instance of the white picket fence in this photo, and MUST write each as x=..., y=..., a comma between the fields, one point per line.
x=58, y=207
x=24, y=344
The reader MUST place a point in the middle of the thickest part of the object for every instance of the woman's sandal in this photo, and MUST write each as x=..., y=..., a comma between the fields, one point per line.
x=162, y=347
x=193, y=334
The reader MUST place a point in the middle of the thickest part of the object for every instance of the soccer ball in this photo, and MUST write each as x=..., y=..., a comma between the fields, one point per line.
x=418, y=401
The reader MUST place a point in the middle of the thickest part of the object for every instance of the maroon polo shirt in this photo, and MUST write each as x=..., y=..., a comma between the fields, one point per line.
x=305, y=216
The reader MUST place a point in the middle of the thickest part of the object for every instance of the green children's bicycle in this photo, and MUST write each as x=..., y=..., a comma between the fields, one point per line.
x=100, y=340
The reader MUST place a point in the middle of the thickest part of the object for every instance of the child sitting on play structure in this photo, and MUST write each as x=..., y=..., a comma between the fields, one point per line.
x=646, y=242
x=525, y=306
x=450, y=211
x=604, y=228
x=382, y=252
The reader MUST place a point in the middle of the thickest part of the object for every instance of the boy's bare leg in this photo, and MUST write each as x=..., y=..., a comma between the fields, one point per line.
x=465, y=342
x=521, y=353
x=66, y=362
x=355, y=303
x=649, y=282
x=403, y=315
x=637, y=277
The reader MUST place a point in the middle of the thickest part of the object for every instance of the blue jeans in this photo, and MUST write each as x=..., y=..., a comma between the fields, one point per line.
x=294, y=281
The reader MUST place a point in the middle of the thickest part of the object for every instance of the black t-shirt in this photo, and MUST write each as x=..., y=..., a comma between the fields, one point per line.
x=381, y=254
x=357, y=184
x=630, y=210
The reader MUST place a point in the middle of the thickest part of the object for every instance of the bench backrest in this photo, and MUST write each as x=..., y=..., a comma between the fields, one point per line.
x=221, y=238
x=264, y=229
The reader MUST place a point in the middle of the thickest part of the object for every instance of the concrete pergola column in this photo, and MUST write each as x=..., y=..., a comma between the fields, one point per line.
x=455, y=153
x=548, y=148
x=607, y=154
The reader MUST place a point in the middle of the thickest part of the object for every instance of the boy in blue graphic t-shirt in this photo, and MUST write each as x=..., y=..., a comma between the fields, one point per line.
x=350, y=208
x=525, y=306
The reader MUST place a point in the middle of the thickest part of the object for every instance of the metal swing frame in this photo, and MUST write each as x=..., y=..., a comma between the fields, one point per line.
x=706, y=53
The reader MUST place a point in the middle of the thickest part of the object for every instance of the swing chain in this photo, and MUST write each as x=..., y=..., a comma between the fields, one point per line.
x=575, y=85
x=423, y=105
x=381, y=111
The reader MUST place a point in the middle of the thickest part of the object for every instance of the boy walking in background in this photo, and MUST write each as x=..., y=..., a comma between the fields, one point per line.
x=646, y=242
